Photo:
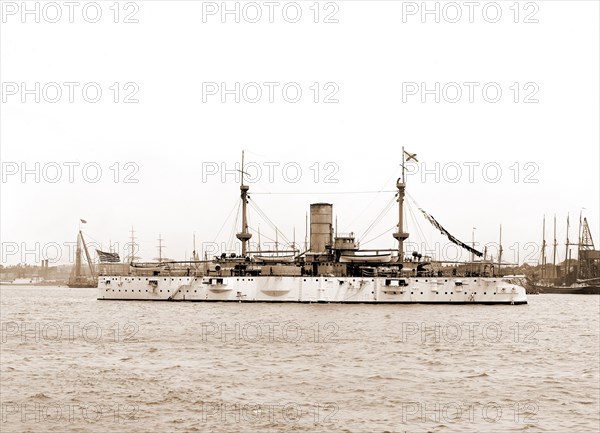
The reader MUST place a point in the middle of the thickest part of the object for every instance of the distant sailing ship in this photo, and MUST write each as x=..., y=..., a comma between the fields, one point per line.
x=331, y=270
x=580, y=276
x=80, y=277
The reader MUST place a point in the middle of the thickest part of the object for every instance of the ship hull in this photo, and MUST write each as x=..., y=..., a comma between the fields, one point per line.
x=378, y=290
x=81, y=285
x=569, y=290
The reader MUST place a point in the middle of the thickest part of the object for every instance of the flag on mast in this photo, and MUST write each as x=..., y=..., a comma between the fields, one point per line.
x=83, y=221
x=410, y=156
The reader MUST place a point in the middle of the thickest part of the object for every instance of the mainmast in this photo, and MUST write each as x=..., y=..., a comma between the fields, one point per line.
x=160, y=247
x=87, y=255
x=500, y=251
x=78, y=256
x=567, y=249
x=401, y=235
x=244, y=235
x=543, y=246
x=132, y=257
x=554, y=250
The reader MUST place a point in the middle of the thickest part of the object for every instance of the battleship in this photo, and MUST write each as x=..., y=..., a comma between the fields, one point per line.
x=333, y=269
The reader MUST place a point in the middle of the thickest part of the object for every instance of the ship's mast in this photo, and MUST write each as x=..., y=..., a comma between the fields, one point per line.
x=132, y=238
x=244, y=236
x=579, y=245
x=78, y=256
x=500, y=251
x=543, y=246
x=401, y=235
x=87, y=255
x=554, y=250
x=306, y=233
x=567, y=249
x=160, y=247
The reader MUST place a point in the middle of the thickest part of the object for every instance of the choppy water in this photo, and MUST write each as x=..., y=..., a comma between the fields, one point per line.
x=71, y=363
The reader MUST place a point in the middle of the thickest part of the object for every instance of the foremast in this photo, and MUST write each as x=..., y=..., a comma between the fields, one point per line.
x=244, y=236
x=401, y=235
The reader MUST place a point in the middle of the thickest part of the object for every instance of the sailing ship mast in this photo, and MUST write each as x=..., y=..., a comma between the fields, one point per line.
x=160, y=248
x=244, y=236
x=132, y=257
x=554, y=250
x=77, y=276
x=566, y=271
x=543, y=247
x=500, y=252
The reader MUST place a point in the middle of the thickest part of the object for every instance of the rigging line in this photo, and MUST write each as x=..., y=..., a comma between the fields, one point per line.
x=378, y=219
x=381, y=215
x=420, y=232
x=323, y=192
x=236, y=205
x=378, y=236
x=369, y=205
x=262, y=235
x=231, y=245
x=262, y=215
x=268, y=221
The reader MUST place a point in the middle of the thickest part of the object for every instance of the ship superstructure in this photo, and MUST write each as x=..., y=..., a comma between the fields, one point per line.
x=332, y=269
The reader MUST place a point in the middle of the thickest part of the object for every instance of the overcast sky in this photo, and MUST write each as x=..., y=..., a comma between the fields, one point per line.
x=367, y=72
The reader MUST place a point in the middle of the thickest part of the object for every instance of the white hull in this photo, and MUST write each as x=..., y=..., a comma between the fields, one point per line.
x=434, y=290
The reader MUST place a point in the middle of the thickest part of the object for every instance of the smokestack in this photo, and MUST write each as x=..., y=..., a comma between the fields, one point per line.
x=321, y=226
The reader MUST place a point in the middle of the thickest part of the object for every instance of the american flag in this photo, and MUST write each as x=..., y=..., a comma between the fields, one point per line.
x=108, y=257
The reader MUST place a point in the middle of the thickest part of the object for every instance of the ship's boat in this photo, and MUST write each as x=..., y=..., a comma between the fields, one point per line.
x=366, y=258
x=275, y=259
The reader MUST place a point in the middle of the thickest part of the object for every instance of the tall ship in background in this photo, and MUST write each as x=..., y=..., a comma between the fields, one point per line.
x=331, y=270
x=572, y=276
x=82, y=276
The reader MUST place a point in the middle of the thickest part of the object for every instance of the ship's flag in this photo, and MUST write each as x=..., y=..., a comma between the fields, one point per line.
x=410, y=156
x=108, y=257
x=83, y=221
